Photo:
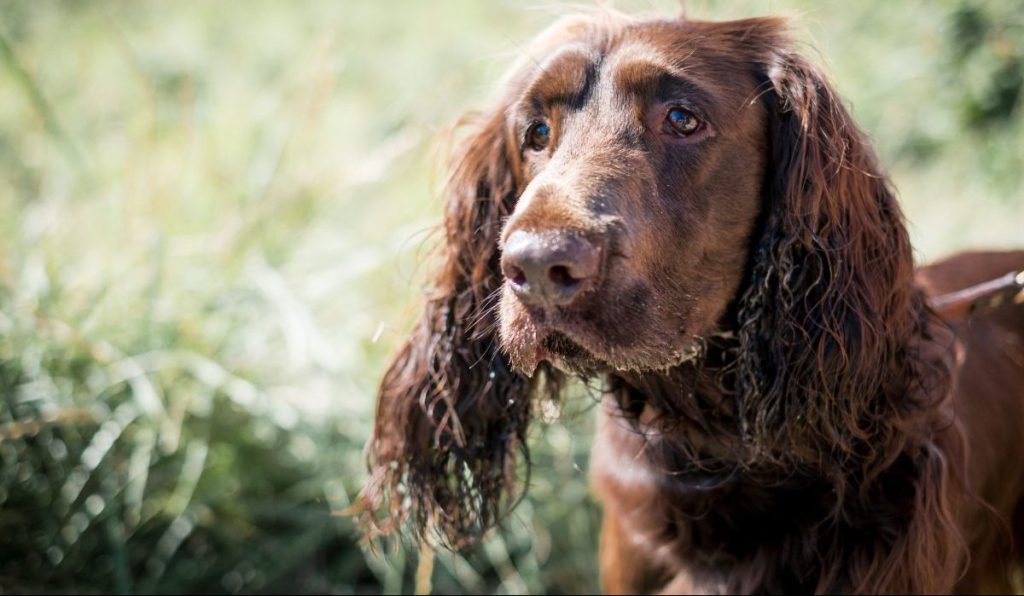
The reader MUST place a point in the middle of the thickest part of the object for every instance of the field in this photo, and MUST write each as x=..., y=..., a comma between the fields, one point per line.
x=214, y=226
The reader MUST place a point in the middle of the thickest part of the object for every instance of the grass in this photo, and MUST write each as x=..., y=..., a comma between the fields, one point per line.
x=212, y=226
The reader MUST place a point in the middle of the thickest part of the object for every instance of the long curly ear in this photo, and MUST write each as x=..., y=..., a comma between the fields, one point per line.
x=842, y=368
x=828, y=310
x=451, y=415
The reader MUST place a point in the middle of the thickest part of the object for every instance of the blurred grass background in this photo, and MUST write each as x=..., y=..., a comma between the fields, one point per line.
x=213, y=219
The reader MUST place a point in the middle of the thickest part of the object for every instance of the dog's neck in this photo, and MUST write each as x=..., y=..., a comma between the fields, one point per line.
x=689, y=409
x=693, y=410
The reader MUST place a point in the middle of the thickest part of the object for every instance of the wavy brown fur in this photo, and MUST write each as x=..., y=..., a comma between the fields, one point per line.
x=783, y=411
x=451, y=415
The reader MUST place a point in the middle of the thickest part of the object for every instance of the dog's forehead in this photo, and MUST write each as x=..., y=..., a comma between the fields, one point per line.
x=625, y=56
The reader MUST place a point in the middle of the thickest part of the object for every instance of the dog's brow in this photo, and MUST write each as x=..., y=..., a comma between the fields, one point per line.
x=638, y=73
x=650, y=78
x=562, y=78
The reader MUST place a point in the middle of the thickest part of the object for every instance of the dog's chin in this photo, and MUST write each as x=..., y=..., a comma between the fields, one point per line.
x=569, y=356
x=573, y=351
x=590, y=339
x=529, y=346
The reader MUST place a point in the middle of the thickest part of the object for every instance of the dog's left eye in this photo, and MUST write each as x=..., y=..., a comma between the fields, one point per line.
x=538, y=136
x=682, y=121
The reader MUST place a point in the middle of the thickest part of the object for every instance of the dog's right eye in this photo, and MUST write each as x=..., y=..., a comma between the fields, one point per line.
x=682, y=122
x=538, y=135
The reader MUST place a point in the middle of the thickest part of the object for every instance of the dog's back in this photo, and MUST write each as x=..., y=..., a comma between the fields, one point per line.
x=989, y=402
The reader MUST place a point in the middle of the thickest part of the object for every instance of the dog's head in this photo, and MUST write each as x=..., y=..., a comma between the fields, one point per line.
x=640, y=153
x=635, y=187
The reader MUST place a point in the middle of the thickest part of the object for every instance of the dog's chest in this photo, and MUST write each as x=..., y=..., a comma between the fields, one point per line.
x=710, y=528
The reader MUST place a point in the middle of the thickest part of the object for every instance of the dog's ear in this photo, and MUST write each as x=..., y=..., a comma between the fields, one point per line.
x=451, y=415
x=448, y=450
x=825, y=318
x=841, y=368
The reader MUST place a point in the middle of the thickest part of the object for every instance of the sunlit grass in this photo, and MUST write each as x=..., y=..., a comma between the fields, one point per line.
x=213, y=225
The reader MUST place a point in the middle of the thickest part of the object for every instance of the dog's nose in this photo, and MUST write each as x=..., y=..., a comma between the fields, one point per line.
x=549, y=268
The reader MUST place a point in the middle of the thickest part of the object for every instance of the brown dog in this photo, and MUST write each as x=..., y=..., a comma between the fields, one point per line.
x=686, y=210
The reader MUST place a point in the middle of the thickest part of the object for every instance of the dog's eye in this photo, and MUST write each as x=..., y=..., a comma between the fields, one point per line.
x=682, y=121
x=538, y=136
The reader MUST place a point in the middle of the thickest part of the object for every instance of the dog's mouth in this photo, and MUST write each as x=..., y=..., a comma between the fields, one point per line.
x=562, y=346
x=569, y=355
x=597, y=335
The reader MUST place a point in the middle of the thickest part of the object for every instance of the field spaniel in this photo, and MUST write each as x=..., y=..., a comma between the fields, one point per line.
x=686, y=212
